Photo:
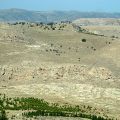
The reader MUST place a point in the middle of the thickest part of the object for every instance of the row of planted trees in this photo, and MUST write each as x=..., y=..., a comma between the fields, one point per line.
x=63, y=114
x=39, y=107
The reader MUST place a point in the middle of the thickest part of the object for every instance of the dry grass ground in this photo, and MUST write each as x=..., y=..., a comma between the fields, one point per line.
x=58, y=66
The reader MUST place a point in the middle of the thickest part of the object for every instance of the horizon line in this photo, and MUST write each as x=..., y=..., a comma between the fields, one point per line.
x=58, y=10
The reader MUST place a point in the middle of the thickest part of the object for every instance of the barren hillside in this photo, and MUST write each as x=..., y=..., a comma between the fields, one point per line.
x=61, y=65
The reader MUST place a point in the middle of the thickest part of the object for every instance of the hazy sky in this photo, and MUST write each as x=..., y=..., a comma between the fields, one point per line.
x=80, y=5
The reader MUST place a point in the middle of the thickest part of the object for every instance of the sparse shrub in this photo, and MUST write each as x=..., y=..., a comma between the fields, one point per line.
x=84, y=40
x=53, y=28
x=114, y=36
x=51, y=24
x=23, y=23
x=51, y=44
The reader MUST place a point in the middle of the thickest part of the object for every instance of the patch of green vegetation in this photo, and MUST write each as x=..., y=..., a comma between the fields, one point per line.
x=39, y=107
x=3, y=115
x=2, y=110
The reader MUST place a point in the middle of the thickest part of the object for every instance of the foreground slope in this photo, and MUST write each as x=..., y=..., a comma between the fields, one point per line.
x=61, y=65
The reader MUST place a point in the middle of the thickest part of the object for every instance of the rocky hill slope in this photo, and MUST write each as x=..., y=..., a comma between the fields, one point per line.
x=59, y=64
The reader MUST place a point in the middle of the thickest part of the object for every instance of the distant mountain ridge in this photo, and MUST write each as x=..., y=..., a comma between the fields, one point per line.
x=13, y=15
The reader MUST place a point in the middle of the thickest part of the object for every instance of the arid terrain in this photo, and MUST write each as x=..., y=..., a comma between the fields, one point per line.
x=62, y=63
